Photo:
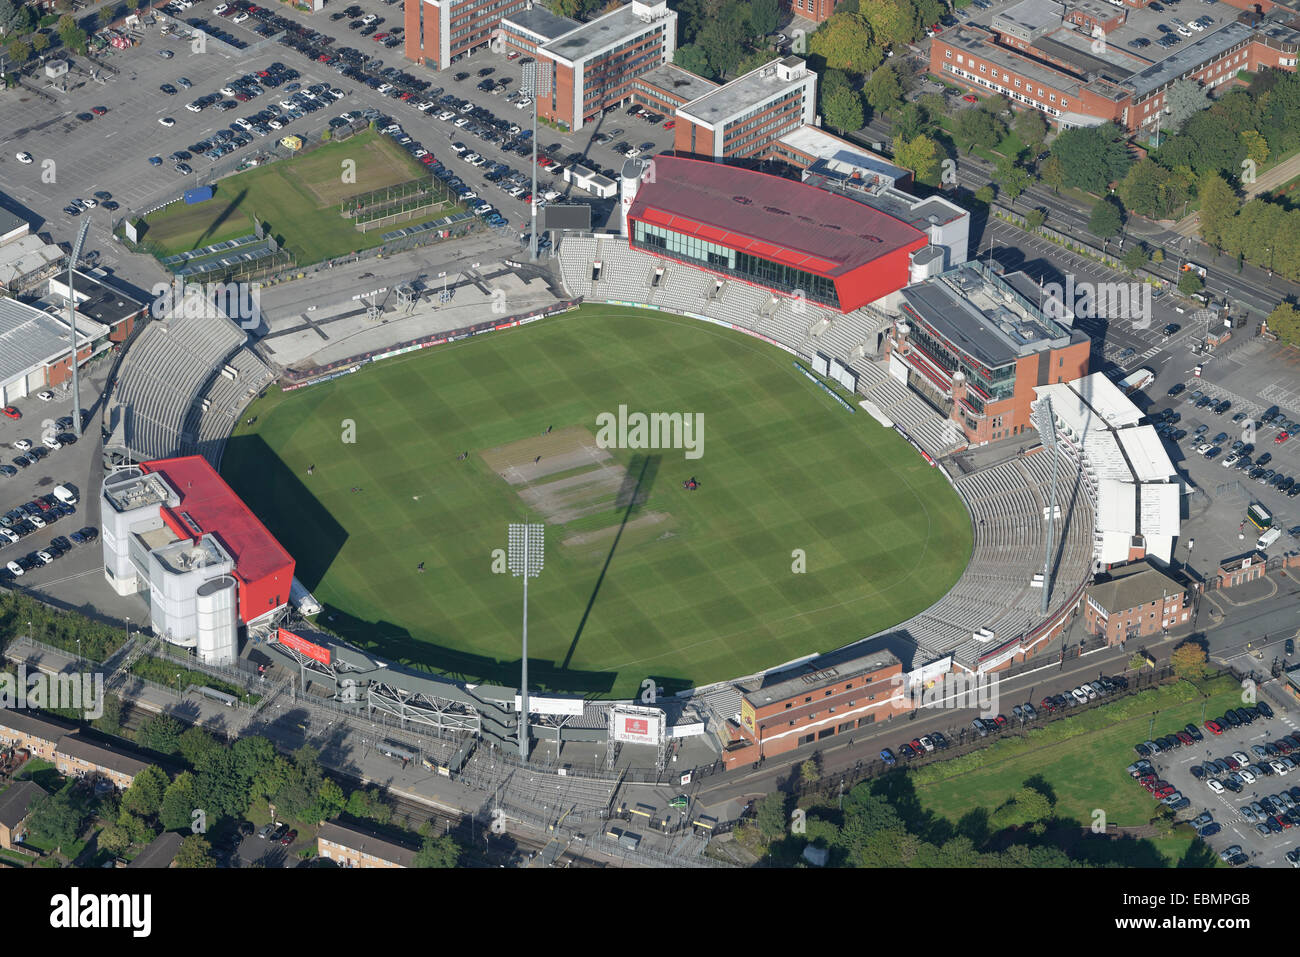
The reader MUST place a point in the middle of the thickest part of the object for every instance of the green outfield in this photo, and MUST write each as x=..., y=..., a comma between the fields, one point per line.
x=643, y=578
x=298, y=199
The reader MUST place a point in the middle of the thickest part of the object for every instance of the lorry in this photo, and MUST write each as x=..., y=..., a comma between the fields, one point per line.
x=1193, y=267
x=1136, y=380
x=1268, y=538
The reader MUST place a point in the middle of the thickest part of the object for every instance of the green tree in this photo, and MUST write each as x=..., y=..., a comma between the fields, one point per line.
x=195, y=744
x=1137, y=661
x=1012, y=178
x=106, y=15
x=161, y=733
x=1135, y=257
x=20, y=51
x=722, y=37
x=114, y=838
x=978, y=128
x=920, y=154
x=842, y=110
x=195, y=852
x=15, y=19
x=844, y=42
x=691, y=17
x=1052, y=172
x=1219, y=206
x=135, y=827
x=764, y=16
x=1031, y=127
x=329, y=801
x=770, y=817
x=1106, y=219
x=56, y=819
x=441, y=852
x=179, y=803
x=1184, y=100
x=1025, y=807
x=910, y=122
x=222, y=791
x=883, y=91
x=1189, y=284
x=985, y=194
x=1285, y=322
x=40, y=43
x=694, y=60
x=1035, y=218
x=1093, y=157
x=145, y=795
x=890, y=21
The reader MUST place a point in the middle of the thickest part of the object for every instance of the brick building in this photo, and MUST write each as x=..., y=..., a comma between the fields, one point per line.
x=818, y=11
x=15, y=804
x=1238, y=571
x=37, y=352
x=441, y=32
x=352, y=847
x=40, y=736
x=974, y=344
x=784, y=710
x=76, y=756
x=745, y=118
x=1135, y=601
x=1046, y=56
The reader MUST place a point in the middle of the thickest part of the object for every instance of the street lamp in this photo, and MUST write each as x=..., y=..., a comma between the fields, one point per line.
x=526, y=555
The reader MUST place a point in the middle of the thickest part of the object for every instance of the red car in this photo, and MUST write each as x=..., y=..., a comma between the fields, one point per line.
x=380, y=36
x=1001, y=721
x=1184, y=737
x=512, y=55
x=1164, y=792
x=971, y=98
x=670, y=124
x=1213, y=727
x=289, y=838
x=99, y=110
x=1281, y=437
x=12, y=413
x=917, y=746
x=1232, y=763
x=427, y=159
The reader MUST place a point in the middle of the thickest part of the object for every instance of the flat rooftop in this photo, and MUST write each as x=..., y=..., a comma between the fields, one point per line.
x=744, y=93
x=602, y=33
x=837, y=666
x=983, y=315
x=682, y=84
x=540, y=21
x=100, y=301
x=185, y=556
x=1188, y=57
x=839, y=156
x=979, y=43
x=137, y=491
x=209, y=506
x=30, y=337
x=1031, y=15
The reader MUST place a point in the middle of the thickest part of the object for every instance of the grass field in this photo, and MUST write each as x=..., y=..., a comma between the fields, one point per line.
x=1080, y=760
x=298, y=199
x=642, y=578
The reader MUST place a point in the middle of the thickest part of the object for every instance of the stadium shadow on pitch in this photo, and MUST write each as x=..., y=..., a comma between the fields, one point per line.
x=286, y=506
x=394, y=643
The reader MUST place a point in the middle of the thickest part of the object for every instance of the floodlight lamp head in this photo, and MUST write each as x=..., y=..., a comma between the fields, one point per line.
x=526, y=553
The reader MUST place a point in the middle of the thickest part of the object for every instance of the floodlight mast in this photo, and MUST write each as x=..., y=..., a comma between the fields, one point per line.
x=535, y=83
x=1046, y=423
x=72, y=322
x=525, y=557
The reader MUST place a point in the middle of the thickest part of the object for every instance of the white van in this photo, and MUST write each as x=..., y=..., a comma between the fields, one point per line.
x=65, y=495
x=1268, y=538
x=51, y=442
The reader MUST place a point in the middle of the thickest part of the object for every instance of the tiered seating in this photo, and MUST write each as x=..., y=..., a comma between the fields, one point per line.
x=227, y=398
x=161, y=376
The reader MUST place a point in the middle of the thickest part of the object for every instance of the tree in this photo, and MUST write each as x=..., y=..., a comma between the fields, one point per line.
x=135, y=827
x=442, y=852
x=195, y=744
x=1218, y=207
x=178, y=803
x=722, y=37
x=1184, y=100
x=845, y=42
x=1189, y=283
x=890, y=21
x=842, y=109
x=1012, y=178
x=809, y=771
x=692, y=59
x=1137, y=662
x=985, y=194
x=920, y=154
x=1093, y=157
x=978, y=128
x=909, y=122
x=106, y=15
x=160, y=733
x=1026, y=807
x=55, y=819
x=691, y=17
x=195, y=852
x=1106, y=219
x=114, y=838
x=1285, y=322
x=1157, y=255
x=1256, y=147
x=20, y=51
x=1188, y=659
x=1052, y=173
x=144, y=796
x=1035, y=218
x=1031, y=127
x=14, y=19
x=41, y=43
x=883, y=92
x=764, y=16
x=1135, y=257
x=769, y=815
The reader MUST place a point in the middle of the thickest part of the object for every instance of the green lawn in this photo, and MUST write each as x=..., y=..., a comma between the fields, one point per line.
x=1081, y=759
x=298, y=200
x=697, y=587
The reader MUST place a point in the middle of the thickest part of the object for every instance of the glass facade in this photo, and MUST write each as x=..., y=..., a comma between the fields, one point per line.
x=733, y=262
x=999, y=383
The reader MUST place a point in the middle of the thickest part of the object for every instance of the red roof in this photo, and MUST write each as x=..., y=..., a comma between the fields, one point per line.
x=768, y=216
x=216, y=509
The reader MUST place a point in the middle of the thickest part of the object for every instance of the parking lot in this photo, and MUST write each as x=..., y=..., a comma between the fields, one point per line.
x=1257, y=782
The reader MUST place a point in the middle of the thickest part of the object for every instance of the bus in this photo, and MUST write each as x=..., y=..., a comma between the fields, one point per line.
x=1260, y=517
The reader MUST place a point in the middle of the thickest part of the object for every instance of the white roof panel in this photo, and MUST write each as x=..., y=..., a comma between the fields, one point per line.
x=1147, y=454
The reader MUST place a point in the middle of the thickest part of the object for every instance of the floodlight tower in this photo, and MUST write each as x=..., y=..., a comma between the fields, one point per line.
x=1045, y=422
x=525, y=557
x=536, y=82
x=72, y=321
